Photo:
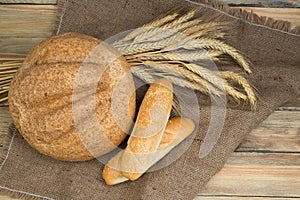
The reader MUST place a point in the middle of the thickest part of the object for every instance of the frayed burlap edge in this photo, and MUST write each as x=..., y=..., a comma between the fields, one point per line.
x=249, y=17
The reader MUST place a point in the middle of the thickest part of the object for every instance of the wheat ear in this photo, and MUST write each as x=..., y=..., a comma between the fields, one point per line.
x=243, y=82
x=208, y=43
x=155, y=23
x=9, y=64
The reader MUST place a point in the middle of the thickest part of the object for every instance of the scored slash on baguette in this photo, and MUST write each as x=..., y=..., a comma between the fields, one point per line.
x=149, y=141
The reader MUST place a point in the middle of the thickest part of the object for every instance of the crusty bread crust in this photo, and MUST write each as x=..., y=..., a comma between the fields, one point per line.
x=148, y=129
x=176, y=131
x=40, y=99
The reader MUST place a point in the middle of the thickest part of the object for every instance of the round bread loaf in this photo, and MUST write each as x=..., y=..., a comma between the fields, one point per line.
x=42, y=105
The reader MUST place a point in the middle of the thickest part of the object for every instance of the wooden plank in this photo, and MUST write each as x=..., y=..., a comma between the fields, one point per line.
x=264, y=139
x=278, y=133
x=287, y=14
x=257, y=174
x=213, y=197
x=23, y=21
x=264, y=3
x=282, y=119
x=18, y=45
x=29, y=1
x=2, y=197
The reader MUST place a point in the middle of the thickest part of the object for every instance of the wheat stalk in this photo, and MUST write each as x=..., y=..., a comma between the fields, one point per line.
x=9, y=64
x=14, y=59
x=211, y=83
x=134, y=48
x=6, y=78
x=148, y=75
x=161, y=21
x=177, y=71
x=186, y=56
x=181, y=19
x=160, y=33
x=155, y=23
x=211, y=29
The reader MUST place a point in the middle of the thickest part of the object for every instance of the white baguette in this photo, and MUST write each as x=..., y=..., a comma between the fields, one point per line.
x=148, y=130
x=176, y=131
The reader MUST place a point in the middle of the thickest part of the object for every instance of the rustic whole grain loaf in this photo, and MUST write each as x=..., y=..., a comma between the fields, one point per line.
x=41, y=105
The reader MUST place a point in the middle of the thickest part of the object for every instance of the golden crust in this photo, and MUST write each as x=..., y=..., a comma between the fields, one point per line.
x=149, y=126
x=177, y=130
x=40, y=100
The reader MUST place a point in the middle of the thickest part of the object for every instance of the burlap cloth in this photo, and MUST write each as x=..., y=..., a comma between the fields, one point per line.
x=274, y=50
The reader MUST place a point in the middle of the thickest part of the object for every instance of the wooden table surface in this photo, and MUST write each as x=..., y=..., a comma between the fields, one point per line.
x=267, y=163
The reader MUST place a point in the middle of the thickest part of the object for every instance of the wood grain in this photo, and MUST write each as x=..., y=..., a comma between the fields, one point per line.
x=2, y=197
x=280, y=132
x=18, y=45
x=257, y=174
x=254, y=171
x=29, y=1
x=34, y=21
x=264, y=3
x=23, y=26
x=213, y=197
x=281, y=140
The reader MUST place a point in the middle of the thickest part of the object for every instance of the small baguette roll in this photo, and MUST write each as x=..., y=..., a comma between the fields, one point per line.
x=148, y=130
x=176, y=131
